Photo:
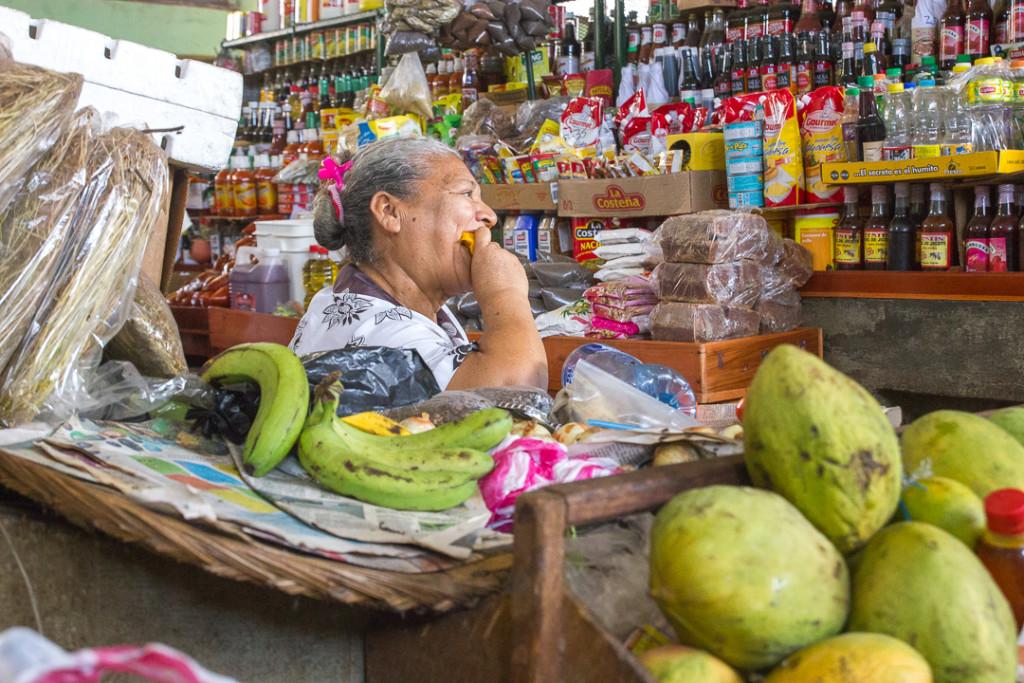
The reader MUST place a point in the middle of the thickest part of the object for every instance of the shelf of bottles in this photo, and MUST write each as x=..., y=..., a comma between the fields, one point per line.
x=969, y=168
x=305, y=29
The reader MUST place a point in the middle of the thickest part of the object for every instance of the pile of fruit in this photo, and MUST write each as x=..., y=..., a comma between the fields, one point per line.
x=809, y=576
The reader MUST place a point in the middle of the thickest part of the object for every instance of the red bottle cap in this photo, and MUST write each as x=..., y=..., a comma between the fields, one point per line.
x=1004, y=511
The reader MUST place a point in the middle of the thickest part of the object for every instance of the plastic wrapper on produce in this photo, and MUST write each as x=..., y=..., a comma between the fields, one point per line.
x=448, y=406
x=681, y=322
x=94, y=283
x=118, y=391
x=407, y=89
x=36, y=227
x=718, y=237
x=531, y=115
x=555, y=270
x=779, y=305
x=38, y=108
x=374, y=377
x=736, y=283
x=149, y=339
x=484, y=117
x=630, y=291
x=796, y=263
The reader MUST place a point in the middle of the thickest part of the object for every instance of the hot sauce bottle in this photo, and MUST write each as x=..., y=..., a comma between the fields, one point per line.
x=822, y=61
x=938, y=244
x=1001, y=547
x=786, y=78
x=978, y=35
x=739, y=67
x=804, y=66
x=876, y=231
x=754, y=64
x=902, y=232
x=1004, y=234
x=976, y=233
x=736, y=26
x=951, y=34
x=769, y=65
x=850, y=233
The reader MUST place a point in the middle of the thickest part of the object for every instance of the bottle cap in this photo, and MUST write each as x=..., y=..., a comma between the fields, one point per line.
x=1004, y=512
x=909, y=86
x=878, y=194
x=869, y=47
x=928, y=61
x=960, y=67
x=850, y=194
x=313, y=248
x=984, y=61
x=1006, y=188
x=892, y=73
x=1017, y=63
x=927, y=83
x=853, y=91
x=901, y=190
x=895, y=87
x=866, y=81
x=963, y=59
x=981, y=191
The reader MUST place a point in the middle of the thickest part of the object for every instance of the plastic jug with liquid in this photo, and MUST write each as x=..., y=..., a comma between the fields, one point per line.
x=260, y=287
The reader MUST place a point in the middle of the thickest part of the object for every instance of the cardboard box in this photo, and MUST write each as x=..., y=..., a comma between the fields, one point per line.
x=518, y=197
x=660, y=195
x=929, y=168
x=701, y=151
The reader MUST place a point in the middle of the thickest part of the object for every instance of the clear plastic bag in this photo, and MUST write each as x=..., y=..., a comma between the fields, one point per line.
x=149, y=338
x=407, y=89
x=38, y=107
x=736, y=283
x=779, y=305
x=555, y=270
x=118, y=391
x=796, y=263
x=718, y=237
x=95, y=281
x=680, y=322
x=299, y=172
x=402, y=42
x=484, y=117
x=448, y=406
x=531, y=115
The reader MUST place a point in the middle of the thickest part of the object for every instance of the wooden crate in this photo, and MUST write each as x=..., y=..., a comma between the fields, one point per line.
x=537, y=631
x=717, y=371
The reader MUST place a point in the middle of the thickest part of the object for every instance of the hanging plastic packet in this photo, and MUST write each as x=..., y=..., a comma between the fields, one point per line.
x=675, y=115
x=627, y=85
x=822, y=136
x=636, y=135
x=783, y=160
x=581, y=121
x=634, y=106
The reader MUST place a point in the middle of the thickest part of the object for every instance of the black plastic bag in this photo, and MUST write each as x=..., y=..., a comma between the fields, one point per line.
x=374, y=377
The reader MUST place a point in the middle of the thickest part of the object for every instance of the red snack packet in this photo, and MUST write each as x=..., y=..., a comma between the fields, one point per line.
x=636, y=135
x=581, y=121
x=674, y=115
x=741, y=107
x=599, y=84
x=633, y=107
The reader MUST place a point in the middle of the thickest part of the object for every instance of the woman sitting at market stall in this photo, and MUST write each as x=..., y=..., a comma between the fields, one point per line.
x=400, y=206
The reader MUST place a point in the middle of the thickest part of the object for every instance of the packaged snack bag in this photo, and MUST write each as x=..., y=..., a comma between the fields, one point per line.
x=822, y=137
x=581, y=121
x=783, y=160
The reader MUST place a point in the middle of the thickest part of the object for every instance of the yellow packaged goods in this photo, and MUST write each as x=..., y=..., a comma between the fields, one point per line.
x=783, y=161
x=515, y=67
x=815, y=229
x=822, y=136
x=699, y=151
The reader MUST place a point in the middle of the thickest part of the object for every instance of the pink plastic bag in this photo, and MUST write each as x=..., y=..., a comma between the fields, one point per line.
x=528, y=464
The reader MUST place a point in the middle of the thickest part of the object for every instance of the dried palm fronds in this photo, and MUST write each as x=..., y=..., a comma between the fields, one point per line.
x=35, y=229
x=36, y=110
x=95, y=279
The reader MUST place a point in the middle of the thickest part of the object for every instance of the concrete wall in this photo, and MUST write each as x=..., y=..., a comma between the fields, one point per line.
x=185, y=31
x=93, y=590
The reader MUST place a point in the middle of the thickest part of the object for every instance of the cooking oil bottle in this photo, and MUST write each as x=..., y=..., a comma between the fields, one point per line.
x=318, y=272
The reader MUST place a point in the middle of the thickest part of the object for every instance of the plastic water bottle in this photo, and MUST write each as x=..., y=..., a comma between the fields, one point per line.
x=657, y=381
x=1017, y=103
x=956, y=139
x=897, y=145
x=987, y=108
x=928, y=115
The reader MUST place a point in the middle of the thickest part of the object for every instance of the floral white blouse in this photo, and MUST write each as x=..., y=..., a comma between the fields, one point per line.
x=357, y=312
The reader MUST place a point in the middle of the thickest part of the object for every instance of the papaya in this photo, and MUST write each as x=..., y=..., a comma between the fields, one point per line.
x=947, y=504
x=821, y=440
x=681, y=664
x=1011, y=420
x=965, y=447
x=918, y=583
x=854, y=658
x=740, y=573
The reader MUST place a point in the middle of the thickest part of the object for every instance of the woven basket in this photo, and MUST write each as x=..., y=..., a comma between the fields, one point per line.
x=222, y=550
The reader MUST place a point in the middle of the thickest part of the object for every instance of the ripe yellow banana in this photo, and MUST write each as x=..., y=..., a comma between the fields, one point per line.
x=410, y=478
x=284, y=398
x=374, y=423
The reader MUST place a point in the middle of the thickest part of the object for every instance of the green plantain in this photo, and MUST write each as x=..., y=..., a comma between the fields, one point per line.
x=284, y=398
x=411, y=479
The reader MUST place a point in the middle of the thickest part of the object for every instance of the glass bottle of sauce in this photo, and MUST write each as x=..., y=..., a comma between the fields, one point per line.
x=937, y=233
x=693, y=32
x=279, y=138
x=902, y=233
x=244, y=185
x=714, y=33
x=843, y=9
x=782, y=17
x=978, y=33
x=870, y=129
x=1001, y=547
x=848, y=123
x=454, y=78
x=848, y=69
x=723, y=81
x=646, y=44
x=874, y=62
x=826, y=14
x=739, y=67
x=754, y=64
x=633, y=49
x=769, y=65
x=757, y=24
x=1004, y=234
x=809, y=21
x=876, y=230
x=976, y=234
x=1001, y=28
x=787, y=64
x=569, y=50
x=266, y=190
x=470, y=79
x=223, y=193
x=804, y=65
x=850, y=233
x=822, y=61
x=736, y=26
x=678, y=33
x=866, y=7
x=951, y=34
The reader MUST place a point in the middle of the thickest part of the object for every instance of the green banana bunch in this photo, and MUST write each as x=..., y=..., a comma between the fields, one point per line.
x=284, y=398
x=411, y=472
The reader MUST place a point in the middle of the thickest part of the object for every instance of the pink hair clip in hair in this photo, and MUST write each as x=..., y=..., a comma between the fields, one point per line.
x=329, y=170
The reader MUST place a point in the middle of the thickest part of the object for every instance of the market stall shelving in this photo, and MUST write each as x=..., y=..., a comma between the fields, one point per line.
x=718, y=371
x=359, y=17
x=974, y=168
x=949, y=286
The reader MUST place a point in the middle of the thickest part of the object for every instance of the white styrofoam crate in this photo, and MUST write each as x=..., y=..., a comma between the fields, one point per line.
x=153, y=83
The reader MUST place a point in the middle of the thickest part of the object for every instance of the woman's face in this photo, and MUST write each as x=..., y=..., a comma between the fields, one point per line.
x=427, y=247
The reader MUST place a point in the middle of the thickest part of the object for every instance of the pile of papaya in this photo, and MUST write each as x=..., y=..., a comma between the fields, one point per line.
x=851, y=557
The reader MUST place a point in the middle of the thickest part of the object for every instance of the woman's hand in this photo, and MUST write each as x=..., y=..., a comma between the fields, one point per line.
x=496, y=272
